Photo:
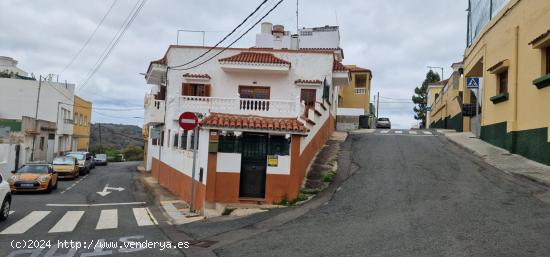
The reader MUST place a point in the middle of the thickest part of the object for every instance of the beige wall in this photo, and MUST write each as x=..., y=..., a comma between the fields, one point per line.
x=348, y=96
x=81, y=129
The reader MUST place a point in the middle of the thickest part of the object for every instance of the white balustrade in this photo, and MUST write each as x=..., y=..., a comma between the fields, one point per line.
x=242, y=106
x=360, y=90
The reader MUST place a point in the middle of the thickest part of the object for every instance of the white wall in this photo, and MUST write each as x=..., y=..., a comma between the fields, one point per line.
x=228, y=162
x=283, y=167
x=7, y=159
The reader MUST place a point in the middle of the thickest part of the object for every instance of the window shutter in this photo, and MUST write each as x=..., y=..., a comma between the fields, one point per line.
x=186, y=89
x=207, y=90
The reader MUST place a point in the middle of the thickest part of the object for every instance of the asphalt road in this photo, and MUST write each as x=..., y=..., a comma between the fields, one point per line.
x=415, y=195
x=100, y=225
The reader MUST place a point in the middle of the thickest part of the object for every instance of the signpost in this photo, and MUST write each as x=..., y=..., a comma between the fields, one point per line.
x=190, y=121
x=473, y=83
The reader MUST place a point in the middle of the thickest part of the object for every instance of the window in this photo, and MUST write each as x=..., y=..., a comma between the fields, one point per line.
x=183, y=140
x=41, y=145
x=503, y=82
x=195, y=89
x=85, y=120
x=80, y=120
x=168, y=141
x=254, y=92
x=361, y=81
x=75, y=118
x=176, y=137
x=229, y=143
x=308, y=96
x=278, y=145
x=547, y=60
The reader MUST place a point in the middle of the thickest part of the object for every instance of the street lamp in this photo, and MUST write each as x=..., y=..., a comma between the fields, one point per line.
x=434, y=67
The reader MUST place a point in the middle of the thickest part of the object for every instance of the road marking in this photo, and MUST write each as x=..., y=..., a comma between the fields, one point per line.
x=144, y=217
x=68, y=222
x=412, y=132
x=107, y=219
x=107, y=187
x=427, y=132
x=11, y=212
x=91, y=205
x=384, y=131
x=25, y=223
x=74, y=184
x=398, y=132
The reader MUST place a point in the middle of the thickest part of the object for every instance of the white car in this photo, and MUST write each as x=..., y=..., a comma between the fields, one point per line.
x=5, y=197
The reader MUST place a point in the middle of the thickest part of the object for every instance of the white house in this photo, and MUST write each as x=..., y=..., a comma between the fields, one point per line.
x=52, y=133
x=264, y=115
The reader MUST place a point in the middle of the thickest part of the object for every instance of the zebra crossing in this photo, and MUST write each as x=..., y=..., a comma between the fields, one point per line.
x=68, y=222
x=404, y=132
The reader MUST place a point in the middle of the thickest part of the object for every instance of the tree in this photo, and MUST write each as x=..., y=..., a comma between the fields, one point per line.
x=420, y=98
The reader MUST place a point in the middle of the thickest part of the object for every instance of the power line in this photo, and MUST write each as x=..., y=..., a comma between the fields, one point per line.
x=117, y=117
x=125, y=25
x=226, y=36
x=232, y=43
x=89, y=38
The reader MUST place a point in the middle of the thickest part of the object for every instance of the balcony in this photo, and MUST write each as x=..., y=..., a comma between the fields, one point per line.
x=242, y=106
x=154, y=110
x=360, y=90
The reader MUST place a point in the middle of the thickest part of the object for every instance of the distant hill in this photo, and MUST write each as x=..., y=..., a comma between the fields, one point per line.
x=117, y=136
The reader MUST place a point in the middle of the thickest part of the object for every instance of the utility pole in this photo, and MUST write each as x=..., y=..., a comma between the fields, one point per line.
x=377, y=103
x=36, y=117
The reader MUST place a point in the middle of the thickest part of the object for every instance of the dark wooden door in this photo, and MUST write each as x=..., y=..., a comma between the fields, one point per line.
x=308, y=96
x=253, y=165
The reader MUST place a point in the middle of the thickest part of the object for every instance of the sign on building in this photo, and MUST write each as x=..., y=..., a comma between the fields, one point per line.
x=272, y=160
x=472, y=82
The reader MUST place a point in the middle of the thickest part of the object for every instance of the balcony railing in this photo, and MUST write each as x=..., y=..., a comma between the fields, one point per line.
x=243, y=106
x=360, y=90
x=154, y=110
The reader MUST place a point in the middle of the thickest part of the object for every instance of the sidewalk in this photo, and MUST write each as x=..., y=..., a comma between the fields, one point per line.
x=499, y=158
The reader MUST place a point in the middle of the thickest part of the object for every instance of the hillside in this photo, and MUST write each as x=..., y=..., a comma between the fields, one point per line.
x=117, y=136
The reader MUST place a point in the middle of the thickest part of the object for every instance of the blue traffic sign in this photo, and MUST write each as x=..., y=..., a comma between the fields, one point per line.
x=472, y=82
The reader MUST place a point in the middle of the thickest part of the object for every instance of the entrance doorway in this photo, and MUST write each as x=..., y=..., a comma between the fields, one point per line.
x=253, y=165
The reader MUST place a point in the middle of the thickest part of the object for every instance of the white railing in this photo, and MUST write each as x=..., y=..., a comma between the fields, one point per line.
x=360, y=90
x=154, y=109
x=243, y=106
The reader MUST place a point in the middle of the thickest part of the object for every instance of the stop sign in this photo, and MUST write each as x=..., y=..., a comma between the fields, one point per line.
x=188, y=121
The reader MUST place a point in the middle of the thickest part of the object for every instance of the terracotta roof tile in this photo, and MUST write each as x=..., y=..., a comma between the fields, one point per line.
x=196, y=76
x=354, y=68
x=338, y=66
x=224, y=120
x=162, y=61
x=308, y=81
x=253, y=57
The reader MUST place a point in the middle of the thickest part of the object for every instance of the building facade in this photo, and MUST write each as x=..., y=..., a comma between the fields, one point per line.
x=445, y=101
x=354, y=100
x=511, y=56
x=82, y=124
x=36, y=115
x=264, y=115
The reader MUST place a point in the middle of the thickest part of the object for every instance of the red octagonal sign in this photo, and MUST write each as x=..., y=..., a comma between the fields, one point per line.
x=188, y=121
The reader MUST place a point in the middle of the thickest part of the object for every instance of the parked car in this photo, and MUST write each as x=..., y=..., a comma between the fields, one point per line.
x=84, y=161
x=66, y=167
x=5, y=196
x=383, y=123
x=33, y=177
x=101, y=159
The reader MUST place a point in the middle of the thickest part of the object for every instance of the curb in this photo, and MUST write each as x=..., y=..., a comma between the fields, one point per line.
x=482, y=157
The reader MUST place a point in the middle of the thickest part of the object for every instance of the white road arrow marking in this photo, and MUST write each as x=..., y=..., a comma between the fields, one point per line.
x=107, y=187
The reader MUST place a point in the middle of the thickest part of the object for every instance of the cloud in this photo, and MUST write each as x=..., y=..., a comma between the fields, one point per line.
x=395, y=40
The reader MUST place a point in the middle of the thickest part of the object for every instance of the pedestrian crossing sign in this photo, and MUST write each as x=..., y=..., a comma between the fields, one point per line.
x=472, y=82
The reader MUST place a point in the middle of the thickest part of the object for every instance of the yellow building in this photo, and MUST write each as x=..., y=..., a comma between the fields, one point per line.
x=82, y=123
x=445, y=102
x=511, y=55
x=357, y=94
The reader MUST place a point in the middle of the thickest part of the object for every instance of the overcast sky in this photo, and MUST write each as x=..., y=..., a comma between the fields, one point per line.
x=396, y=39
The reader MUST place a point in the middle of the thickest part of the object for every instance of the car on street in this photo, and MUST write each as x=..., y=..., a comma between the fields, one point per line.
x=84, y=161
x=383, y=123
x=66, y=167
x=101, y=159
x=5, y=197
x=33, y=177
